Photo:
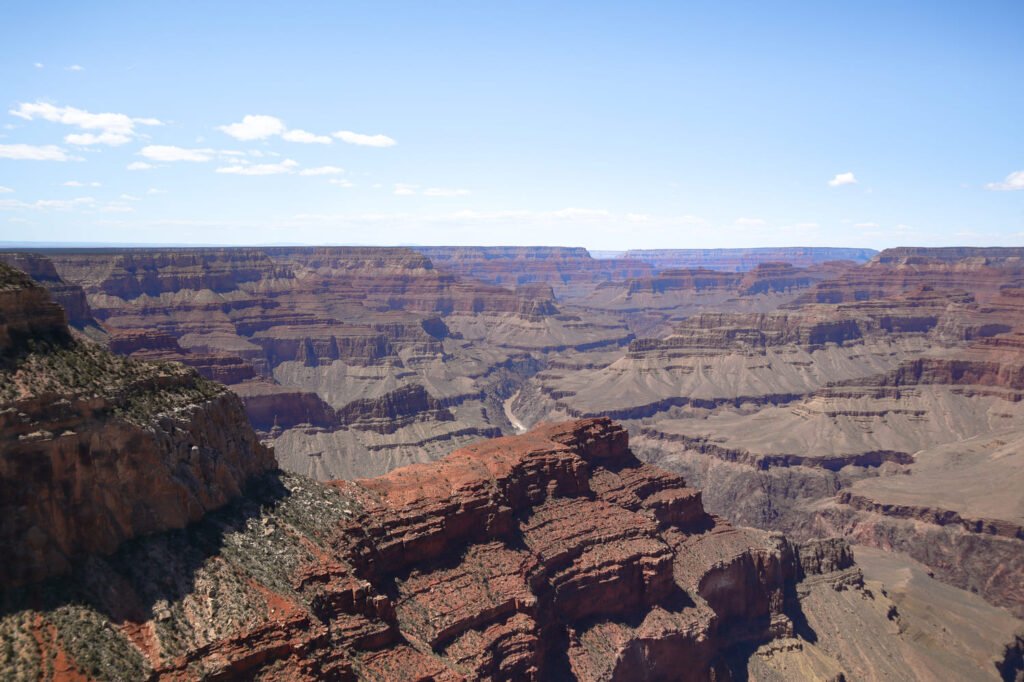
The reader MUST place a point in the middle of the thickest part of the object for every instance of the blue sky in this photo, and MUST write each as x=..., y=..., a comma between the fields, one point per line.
x=606, y=125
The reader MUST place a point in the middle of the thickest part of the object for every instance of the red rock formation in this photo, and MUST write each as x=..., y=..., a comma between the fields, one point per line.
x=94, y=449
x=27, y=314
x=552, y=554
x=70, y=297
x=393, y=410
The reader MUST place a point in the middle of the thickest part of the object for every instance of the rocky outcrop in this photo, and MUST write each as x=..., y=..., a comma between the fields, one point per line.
x=273, y=407
x=552, y=555
x=70, y=297
x=96, y=449
x=27, y=315
x=392, y=411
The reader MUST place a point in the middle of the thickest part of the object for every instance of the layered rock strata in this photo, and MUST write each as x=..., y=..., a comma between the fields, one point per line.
x=96, y=449
x=553, y=555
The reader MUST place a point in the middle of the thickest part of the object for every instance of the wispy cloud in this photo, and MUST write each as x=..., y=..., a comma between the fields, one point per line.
x=841, y=179
x=322, y=170
x=364, y=140
x=29, y=152
x=751, y=222
x=1014, y=181
x=76, y=67
x=341, y=182
x=404, y=189
x=76, y=183
x=48, y=204
x=172, y=153
x=285, y=167
x=5, y=190
x=445, y=192
x=139, y=166
x=113, y=129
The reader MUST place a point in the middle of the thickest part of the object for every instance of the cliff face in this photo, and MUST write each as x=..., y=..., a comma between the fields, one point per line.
x=302, y=334
x=70, y=297
x=569, y=271
x=553, y=555
x=884, y=406
x=149, y=536
x=96, y=449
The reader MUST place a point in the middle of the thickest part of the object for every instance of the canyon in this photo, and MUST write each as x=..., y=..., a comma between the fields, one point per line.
x=513, y=463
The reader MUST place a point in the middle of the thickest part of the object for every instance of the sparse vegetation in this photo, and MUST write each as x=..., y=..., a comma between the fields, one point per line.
x=134, y=390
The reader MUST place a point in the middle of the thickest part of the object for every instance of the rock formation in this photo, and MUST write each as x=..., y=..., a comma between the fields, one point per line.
x=149, y=536
x=882, y=405
x=97, y=449
x=741, y=260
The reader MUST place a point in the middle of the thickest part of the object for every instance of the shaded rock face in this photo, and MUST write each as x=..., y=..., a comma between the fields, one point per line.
x=393, y=410
x=27, y=314
x=552, y=555
x=70, y=297
x=95, y=449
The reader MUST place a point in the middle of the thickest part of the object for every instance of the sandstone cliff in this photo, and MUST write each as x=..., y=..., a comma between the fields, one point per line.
x=96, y=449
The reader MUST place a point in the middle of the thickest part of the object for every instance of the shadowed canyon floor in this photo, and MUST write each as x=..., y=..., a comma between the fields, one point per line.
x=819, y=396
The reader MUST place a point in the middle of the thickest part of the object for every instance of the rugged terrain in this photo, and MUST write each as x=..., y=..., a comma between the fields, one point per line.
x=882, y=404
x=353, y=361
x=151, y=536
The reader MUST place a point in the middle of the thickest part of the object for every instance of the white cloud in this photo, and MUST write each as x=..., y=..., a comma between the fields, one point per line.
x=139, y=166
x=637, y=218
x=171, y=153
x=5, y=190
x=28, y=152
x=341, y=182
x=116, y=207
x=86, y=139
x=867, y=225
x=114, y=129
x=38, y=65
x=285, y=167
x=305, y=137
x=76, y=183
x=800, y=227
x=842, y=179
x=364, y=140
x=255, y=127
x=76, y=67
x=444, y=192
x=322, y=170
x=48, y=204
x=130, y=197
x=154, y=190
x=751, y=222
x=580, y=213
x=405, y=190
x=1014, y=181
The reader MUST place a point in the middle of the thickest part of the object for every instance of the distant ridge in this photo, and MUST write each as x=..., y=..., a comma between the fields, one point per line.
x=741, y=260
